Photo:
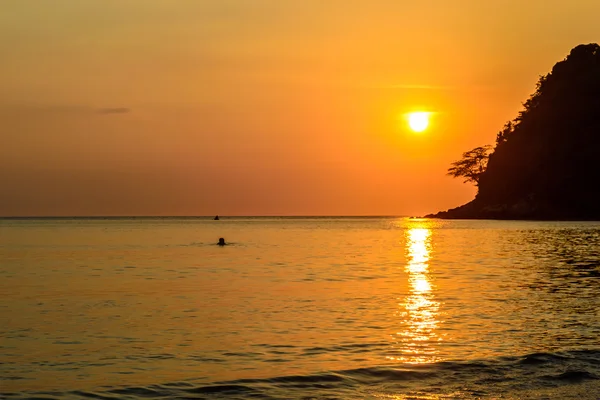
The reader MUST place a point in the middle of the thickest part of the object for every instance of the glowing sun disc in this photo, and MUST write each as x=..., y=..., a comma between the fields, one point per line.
x=418, y=121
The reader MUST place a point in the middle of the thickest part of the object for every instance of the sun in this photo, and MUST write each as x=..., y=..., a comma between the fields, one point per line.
x=418, y=121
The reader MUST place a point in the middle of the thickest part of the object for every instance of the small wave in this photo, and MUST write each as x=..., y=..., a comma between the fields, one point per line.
x=379, y=374
x=573, y=376
x=541, y=358
x=352, y=348
x=503, y=376
x=222, y=389
x=92, y=395
x=295, y=379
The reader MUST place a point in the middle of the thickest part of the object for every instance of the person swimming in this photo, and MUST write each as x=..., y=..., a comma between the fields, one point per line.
x=221, y=242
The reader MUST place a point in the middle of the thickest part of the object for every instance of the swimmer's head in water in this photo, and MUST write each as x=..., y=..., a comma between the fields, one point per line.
x=221, y=242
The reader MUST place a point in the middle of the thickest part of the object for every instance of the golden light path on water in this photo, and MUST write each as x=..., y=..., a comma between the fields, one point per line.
x=419, y=311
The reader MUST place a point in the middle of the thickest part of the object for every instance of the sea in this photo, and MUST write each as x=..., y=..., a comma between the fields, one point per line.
x=298, y=308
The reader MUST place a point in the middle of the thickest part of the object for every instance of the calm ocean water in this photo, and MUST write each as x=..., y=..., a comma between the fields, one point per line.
x=299, y=308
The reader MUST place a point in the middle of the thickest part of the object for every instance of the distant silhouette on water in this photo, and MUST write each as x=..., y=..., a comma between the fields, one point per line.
x=221, y=242
x=216, y=218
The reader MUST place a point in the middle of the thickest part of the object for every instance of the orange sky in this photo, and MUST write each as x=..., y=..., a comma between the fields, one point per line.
x=262, y=107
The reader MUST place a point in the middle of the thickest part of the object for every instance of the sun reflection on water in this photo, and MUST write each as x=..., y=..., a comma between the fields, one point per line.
x=419, y=309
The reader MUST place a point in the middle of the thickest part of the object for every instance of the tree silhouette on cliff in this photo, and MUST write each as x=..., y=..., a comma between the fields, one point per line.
x=546, y=162
x=472, y=164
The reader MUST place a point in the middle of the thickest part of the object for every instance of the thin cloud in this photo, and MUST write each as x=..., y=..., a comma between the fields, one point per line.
x=435, y=87
x=114, y=110
x=422, y=87
x=59, y=109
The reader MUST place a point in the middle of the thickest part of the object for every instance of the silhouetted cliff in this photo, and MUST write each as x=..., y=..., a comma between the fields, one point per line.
x=546, y=163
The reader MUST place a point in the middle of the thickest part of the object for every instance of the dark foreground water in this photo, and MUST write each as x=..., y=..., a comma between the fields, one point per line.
x=325, y=308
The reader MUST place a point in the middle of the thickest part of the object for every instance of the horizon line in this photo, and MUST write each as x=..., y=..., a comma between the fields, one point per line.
x=200, y=216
